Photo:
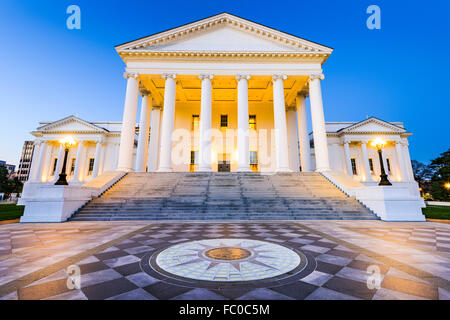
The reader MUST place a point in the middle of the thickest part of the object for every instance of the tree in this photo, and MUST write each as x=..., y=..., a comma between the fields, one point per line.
x=441, y=176
x=422, y=174
x=3, y=179
x=7, y=185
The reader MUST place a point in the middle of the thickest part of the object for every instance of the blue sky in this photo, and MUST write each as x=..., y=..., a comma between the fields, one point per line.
x=398, y=73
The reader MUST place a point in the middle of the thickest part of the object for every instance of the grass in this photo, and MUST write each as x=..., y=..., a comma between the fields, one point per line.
x=437, y=212
x=10, y=211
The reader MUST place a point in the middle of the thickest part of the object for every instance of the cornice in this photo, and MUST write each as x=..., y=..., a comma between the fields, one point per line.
x=213, y=55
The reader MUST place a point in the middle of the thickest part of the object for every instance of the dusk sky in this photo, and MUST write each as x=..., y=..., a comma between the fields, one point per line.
x=398, y=73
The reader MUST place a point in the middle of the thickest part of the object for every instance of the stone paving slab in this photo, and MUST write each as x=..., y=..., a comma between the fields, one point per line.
x=109, y=256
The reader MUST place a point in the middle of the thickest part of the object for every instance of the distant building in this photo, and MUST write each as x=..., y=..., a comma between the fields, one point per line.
x=25, y=161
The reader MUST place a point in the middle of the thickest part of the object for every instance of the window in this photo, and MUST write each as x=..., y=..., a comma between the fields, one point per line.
x=388, y=163
x=72, y=166
x=91, y=166
x=55, y=162
x=224, y=121
x=254, y=160
x=194, y=161
x=371, y=166
x=353, y=161
x=252, y=122
x=195, y=122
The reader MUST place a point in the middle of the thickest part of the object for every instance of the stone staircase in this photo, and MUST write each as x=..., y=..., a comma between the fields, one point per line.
x=223, y=196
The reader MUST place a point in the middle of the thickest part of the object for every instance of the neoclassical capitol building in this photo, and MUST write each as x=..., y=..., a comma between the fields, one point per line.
x=222, y=97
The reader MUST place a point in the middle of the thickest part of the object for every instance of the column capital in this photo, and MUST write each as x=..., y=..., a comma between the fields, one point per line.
x=38, y=142
x=156, y=107
x=169, y=75
x=242, y=77
x=128, y=75
x=145, y=92
x=204, y=76
x=315, y=76
x=279, y=76
x=346, y=141
x=365, y=141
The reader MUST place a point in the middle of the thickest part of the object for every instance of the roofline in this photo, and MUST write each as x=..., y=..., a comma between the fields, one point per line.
x=372, y=117
x=71, y=116
x=260, y=24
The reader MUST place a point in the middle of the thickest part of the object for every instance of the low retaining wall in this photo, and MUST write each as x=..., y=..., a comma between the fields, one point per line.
x=399, y=202
x=50, y=203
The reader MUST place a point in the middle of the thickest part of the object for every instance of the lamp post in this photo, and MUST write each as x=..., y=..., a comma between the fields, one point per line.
x=379, y=144
x=67, y=142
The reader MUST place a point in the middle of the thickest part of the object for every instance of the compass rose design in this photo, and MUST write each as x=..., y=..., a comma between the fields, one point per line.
x=227, y=260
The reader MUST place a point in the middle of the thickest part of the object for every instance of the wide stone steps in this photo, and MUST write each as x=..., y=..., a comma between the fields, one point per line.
x=223, y=196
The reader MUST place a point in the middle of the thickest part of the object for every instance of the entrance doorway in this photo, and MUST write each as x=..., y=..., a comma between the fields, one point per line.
x=223, y=163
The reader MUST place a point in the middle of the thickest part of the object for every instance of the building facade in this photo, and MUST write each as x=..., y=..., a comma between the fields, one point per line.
x=25, y=162
x=98, y=145
x=227, y=94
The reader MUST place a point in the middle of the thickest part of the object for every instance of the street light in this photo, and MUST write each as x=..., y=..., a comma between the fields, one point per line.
x=447, y=185
x=379, y=144
x=67, y=142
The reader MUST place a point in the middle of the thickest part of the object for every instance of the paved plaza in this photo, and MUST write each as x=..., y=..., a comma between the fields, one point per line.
x=230, y=260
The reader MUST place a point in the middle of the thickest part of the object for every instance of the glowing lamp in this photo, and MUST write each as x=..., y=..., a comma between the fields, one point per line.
x=380, y=144
x=67, y=142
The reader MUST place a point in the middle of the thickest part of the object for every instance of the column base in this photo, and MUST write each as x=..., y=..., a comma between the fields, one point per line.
x=205, y=169
x=322, y=169
x=164, y=170
x=124, y=169
x=244, y=169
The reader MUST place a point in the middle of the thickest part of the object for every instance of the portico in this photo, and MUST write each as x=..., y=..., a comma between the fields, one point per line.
x=193, y=76
x=207, y=98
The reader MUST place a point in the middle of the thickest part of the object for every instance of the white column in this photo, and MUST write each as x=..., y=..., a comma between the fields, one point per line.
x=401, y=161
x=366, y=165
x=144, y=129
x=243, y=130
x=408, y=165
x=59, y=162
x=125, y=162
x=294, y=154
x=34, y=160
x=76, y=173
x=348, y=161
x=153, y=148
x=165, y=153
x=386, y=169
x=204, y=161
x=37, y=177
x=279, y=113
x=98, y=149
x=318, y=123
x=303, y=134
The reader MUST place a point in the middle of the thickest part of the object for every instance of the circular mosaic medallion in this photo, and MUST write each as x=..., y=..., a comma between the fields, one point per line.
x=228, y=260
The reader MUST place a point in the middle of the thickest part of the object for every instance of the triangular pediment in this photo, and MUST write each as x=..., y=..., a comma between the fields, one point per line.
x=373, y=125
x=224, y=33
x=71, y=124
x=223, y=39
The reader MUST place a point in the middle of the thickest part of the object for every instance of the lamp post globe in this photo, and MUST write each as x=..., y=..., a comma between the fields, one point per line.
x=67, y=143
x=379, y=144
